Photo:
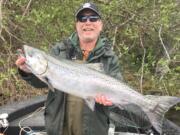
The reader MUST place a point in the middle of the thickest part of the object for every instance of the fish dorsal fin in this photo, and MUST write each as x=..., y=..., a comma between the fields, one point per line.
x=79, y=61
x=96, y=66
x=90, y=102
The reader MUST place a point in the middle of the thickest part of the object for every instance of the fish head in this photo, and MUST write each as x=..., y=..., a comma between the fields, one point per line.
x=35, y=60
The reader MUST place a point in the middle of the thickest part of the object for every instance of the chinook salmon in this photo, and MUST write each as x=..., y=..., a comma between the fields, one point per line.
x=85, y=82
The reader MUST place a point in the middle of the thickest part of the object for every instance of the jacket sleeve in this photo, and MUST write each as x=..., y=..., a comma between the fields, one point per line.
x=114, y=68
x=32, y=79
x=113, y=111
x=111, y=64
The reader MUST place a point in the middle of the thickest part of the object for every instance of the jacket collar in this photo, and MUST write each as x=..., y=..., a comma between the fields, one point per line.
x=98, y=51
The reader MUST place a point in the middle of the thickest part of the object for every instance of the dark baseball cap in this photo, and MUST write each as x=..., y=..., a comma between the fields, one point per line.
x=90, y=6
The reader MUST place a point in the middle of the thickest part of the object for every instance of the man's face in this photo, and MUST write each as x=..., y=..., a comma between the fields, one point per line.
x=88, y=26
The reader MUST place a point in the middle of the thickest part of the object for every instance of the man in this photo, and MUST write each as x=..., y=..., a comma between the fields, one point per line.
x=67, y=114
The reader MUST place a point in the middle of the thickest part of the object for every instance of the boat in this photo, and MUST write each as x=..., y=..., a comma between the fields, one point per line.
x=19, y=120
x=27, y=118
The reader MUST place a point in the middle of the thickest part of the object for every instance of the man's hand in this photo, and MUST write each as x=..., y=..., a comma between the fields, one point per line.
x=20, y=63
x=101, y=99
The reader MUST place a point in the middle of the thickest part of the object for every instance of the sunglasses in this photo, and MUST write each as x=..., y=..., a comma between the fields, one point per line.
x=92, y=18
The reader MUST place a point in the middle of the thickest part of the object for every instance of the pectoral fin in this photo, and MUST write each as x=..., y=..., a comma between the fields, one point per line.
x=46, y=80
x=90, y=103
x=51, y=87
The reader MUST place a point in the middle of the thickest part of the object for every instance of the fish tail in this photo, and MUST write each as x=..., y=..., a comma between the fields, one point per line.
x=163, y=104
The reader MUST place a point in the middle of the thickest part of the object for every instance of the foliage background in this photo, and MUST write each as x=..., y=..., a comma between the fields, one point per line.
x=145, y=35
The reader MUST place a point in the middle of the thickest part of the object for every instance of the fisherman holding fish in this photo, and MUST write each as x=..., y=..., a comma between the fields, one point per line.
x=66, y=114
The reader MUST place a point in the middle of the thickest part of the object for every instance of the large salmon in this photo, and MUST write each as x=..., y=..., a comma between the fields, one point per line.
x=85, y=82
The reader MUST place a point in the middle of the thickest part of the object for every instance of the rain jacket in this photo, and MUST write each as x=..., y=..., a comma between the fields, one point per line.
x=94, y=122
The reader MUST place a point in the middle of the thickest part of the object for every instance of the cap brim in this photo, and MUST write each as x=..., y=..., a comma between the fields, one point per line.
x=80, y=10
